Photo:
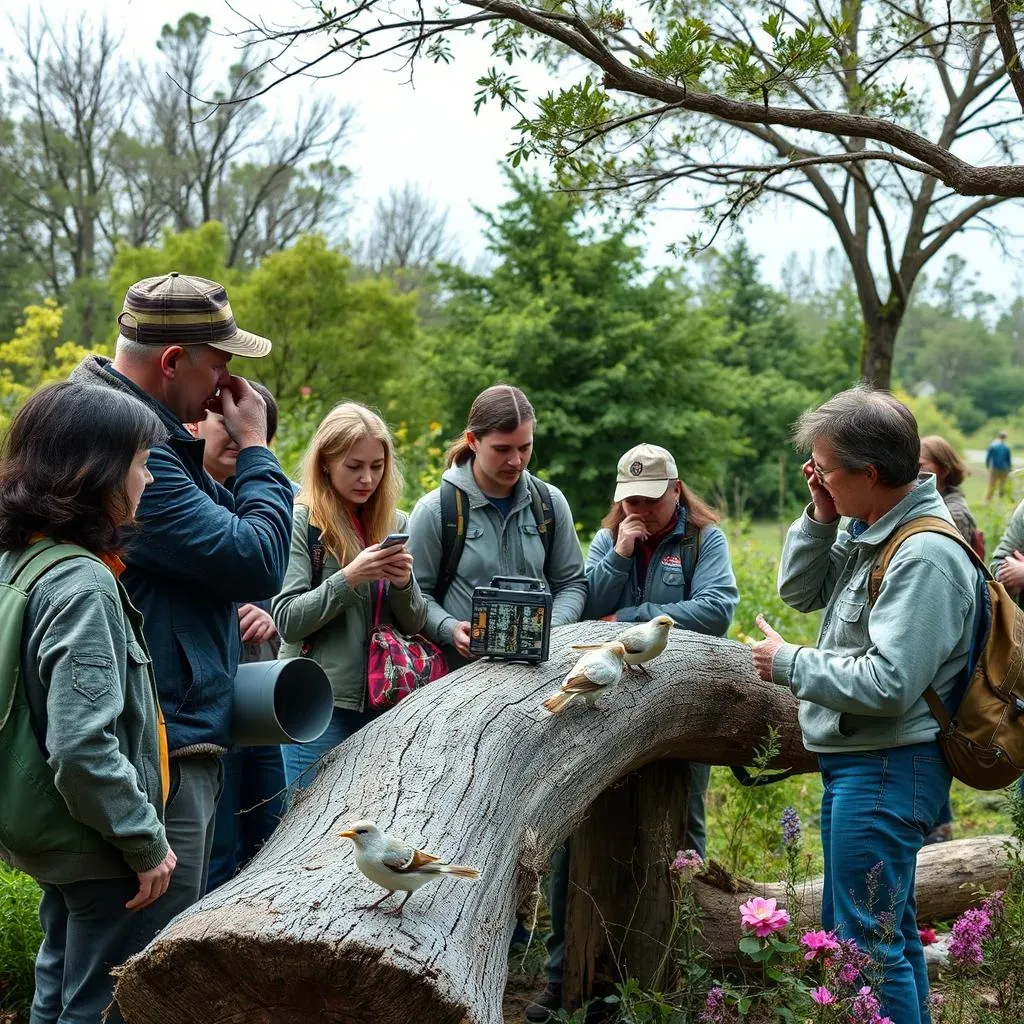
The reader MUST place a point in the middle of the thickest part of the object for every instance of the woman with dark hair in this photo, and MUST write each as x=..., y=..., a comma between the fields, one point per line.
x=487, y=465
x=84, y=754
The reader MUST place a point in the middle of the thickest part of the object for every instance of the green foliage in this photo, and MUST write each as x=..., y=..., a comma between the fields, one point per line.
x=20, y=936
x=34, y=356
x=607, y=357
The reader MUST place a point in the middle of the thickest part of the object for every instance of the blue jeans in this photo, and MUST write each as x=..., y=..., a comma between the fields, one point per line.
x=299, y=758
x=557, y=888
x=86, y=933
x=883, y=804
x=251, y=804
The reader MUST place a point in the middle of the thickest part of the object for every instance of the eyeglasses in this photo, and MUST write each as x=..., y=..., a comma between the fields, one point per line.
x=820, y=472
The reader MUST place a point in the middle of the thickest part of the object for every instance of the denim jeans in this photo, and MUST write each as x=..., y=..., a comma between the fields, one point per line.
x=882, y=803
x=86, y=933
x=250, y=806
x=557, y=888
x=300, y=758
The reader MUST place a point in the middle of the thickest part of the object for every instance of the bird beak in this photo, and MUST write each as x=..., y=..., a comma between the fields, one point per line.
x=347, y=834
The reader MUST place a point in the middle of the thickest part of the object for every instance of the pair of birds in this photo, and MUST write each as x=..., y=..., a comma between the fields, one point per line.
x=396, y=866
x=600, y=669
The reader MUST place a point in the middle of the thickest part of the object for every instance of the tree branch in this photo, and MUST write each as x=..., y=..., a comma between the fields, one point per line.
x=1008, y=45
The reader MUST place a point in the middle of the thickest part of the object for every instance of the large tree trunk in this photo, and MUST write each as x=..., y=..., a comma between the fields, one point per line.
x=879, y=345
x=949, y=875
x=472, y=769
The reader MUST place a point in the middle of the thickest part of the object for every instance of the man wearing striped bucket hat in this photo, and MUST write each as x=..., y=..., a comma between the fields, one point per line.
x=200, y=548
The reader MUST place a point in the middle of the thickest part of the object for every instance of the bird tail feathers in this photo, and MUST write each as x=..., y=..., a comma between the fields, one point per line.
x=558, y=702
x=590, y=647
x=459, y=870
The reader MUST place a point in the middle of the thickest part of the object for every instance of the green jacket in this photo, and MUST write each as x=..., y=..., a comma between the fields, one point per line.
x=336, y=616
x=87, y=675
x=495, y=547
x=861, y=687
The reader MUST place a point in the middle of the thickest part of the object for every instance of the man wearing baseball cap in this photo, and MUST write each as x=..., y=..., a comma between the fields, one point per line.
x=200, y=548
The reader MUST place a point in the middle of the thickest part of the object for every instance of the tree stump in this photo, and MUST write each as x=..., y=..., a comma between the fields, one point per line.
x=470, y=768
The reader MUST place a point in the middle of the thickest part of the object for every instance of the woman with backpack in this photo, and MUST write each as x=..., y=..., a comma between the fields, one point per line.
x=502, y=508
x=340, y=579
x=658, y=552
x=83, y=753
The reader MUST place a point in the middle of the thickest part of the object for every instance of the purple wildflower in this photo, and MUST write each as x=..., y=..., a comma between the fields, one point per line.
x=972, y=927
x=714, y=1007
x=687, y=862
x=790, y=826
x=864, y=1009
x=848, y=962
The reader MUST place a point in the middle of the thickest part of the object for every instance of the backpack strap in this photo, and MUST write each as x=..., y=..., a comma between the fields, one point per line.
x=923, y=524
x=454, y=521
x=42, y=556
x=929, y=524
x=689, y=552
x=544, y=516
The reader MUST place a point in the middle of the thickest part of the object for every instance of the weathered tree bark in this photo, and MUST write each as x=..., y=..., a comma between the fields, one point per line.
x=472, y=769
x=948, y=877
x=620, y=892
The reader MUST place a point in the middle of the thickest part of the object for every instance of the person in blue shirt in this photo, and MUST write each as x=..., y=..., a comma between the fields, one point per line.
x=998, y=462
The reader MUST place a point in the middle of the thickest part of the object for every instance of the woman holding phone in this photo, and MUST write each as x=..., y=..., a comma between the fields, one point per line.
x=348, y=558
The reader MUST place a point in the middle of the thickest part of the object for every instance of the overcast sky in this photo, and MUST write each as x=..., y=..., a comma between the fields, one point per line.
x=429, y=135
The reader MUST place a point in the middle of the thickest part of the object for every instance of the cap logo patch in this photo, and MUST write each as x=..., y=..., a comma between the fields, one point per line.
x=636, y=468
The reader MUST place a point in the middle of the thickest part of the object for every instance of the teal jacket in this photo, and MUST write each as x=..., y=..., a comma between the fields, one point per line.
x=87, y=675
x=338, y=618
x=615, y=586
x=495, y=547
x=861, y=687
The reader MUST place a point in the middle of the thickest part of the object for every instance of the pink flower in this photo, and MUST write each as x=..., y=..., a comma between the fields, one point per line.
x=305, y=391
x=761, y=917
x=928, y=936
x=818, y=942
x=822, y=996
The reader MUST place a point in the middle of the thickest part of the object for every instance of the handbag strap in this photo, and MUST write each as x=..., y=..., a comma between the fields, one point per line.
x=379, y=604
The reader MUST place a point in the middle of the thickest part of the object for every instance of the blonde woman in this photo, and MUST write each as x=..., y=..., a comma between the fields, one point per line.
x=348, y=504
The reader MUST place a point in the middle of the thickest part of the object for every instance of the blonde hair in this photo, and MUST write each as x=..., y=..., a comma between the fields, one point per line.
x=343, y=427
x=500, y=409
x=941, y=452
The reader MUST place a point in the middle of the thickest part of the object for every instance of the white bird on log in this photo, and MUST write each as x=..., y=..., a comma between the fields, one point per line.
x=595, y=673
x=395, y=865
x=643, y=642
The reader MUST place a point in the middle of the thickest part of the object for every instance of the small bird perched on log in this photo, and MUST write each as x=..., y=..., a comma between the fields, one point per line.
x=595, y=673
x=643, y=642
x=395, y=865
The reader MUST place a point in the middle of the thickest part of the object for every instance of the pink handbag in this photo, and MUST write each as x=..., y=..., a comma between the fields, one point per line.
x=396, y=665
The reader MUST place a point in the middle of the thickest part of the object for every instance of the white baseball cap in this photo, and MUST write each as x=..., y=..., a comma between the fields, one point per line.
x=644, y=472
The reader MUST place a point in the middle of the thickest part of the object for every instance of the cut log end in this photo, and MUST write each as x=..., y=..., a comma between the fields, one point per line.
x=224, y=978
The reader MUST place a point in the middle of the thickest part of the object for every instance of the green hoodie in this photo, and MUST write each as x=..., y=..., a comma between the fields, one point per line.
x=861, y=687
x=495, y=546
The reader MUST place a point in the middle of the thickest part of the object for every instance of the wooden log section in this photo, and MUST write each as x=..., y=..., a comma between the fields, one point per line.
x=949, y=875
x=472, y=769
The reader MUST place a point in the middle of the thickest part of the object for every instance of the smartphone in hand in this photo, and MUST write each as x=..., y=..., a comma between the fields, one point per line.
x=394, y=538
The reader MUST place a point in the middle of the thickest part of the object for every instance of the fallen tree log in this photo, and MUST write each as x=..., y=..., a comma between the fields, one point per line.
x=472, y=769
x=948, y=877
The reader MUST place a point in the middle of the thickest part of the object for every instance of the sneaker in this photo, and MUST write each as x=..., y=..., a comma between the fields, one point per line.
x=547, y=1004
x=940, y=834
